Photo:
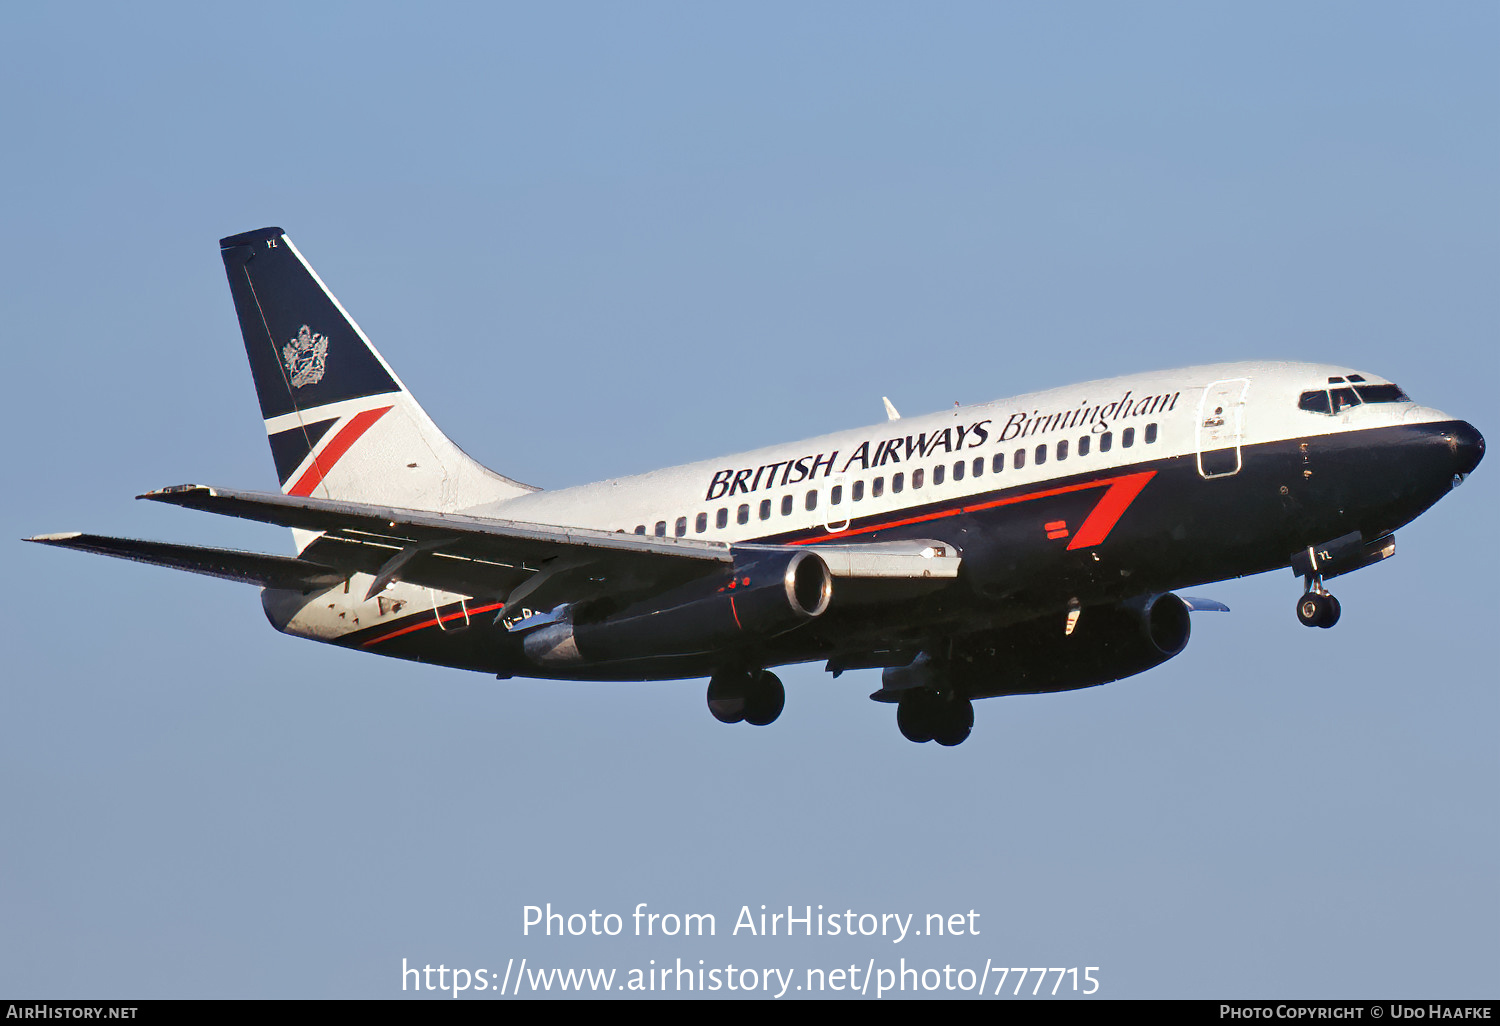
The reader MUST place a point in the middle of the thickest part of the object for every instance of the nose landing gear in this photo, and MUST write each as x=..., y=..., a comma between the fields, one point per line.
x=1317, y=608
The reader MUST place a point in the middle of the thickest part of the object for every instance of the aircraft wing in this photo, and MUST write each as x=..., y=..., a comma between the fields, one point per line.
x=537, y=564
x=532, y=565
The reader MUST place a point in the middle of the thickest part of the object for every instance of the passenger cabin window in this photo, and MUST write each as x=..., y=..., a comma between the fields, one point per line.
x=811, y=502
x=742, y=516
x=1018, y=460
x=877, y=488
x=978, y=468
x=640, y=528
x=1150, y=433
x=958, y=471
x=998, y=463
x=786, y=505
x=898, y=482
x=721, y=518
x=765, y=509
x=1041, y=454
x=938, y=473
x=1127, y=438
x=1062, y=449
x=661, y=528
x=835, y=495
x=700, y=524
x=1083, y=445
x=681, y=526
x=1106, y=440
x=917, y=477
x=859, y=490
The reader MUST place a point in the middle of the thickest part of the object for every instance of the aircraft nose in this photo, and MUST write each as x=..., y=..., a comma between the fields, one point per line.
x=1468, y=447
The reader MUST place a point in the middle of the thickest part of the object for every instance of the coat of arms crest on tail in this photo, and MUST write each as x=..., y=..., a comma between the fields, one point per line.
x=304, y=357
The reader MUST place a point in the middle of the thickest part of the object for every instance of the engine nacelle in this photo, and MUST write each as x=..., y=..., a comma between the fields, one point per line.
x=764, y=596
x=1108, y=643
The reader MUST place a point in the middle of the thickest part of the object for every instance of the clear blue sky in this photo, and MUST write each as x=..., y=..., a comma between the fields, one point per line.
x=599, y=238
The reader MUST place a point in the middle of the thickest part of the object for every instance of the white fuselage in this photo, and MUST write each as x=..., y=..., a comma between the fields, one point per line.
x=1171, y=400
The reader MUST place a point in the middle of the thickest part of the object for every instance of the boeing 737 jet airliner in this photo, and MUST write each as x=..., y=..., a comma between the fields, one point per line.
x=1021, y=546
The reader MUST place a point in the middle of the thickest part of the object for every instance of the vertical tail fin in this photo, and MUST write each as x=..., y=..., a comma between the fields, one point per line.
x=340, y=423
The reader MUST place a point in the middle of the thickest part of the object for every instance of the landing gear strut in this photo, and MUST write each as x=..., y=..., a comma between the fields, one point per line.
x=925, y=715
x=1317, y=608
x=754, y=696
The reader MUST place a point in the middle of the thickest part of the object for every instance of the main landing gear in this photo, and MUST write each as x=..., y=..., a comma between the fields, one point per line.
x=926, y=715
x=755, y=696
x=1317, y=608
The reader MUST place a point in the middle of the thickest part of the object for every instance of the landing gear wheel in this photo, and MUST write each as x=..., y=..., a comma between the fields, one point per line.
x=914, y=717
x=765, y=699
x=1318, y=609
x=726, y=696
x=752, y=697
x=924, y=716
x=957, y=722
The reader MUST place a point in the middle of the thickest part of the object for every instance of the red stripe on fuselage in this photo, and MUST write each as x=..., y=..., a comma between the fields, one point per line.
x=432, y=623
x=323, y=461
x=1122, y=491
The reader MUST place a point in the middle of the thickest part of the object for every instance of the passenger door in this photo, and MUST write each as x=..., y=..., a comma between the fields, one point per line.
x=1221, y=428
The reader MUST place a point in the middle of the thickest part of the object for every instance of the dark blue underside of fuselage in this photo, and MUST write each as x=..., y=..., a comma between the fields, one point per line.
x=1181, y=530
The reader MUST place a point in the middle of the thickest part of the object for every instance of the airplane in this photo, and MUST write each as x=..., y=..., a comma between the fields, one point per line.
x=1023, y=546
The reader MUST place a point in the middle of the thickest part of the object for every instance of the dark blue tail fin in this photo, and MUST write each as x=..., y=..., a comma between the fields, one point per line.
x=340, y=423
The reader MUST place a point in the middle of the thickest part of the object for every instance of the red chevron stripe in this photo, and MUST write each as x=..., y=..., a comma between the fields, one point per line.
x=323, y=461
x=1122, y=491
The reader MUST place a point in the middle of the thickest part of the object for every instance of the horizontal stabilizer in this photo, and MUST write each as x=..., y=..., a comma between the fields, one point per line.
x=229, y=564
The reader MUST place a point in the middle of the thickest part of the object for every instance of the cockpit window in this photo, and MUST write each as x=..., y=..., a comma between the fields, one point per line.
x=1343, y=398
x=1314, y=402
x=1337, y=400
x=1381, y=393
